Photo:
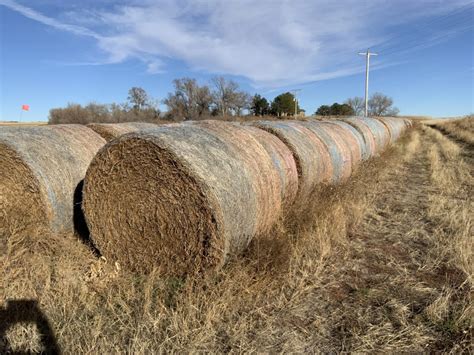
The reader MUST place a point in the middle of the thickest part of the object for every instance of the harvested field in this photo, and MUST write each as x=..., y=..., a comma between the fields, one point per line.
x=41, y=169
x=197, y=194
x=380, y=264
x=109, y=131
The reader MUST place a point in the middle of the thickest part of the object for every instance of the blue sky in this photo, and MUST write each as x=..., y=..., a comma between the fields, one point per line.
x=53, y=52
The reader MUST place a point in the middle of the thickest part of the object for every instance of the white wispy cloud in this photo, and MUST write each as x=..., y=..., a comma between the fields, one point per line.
x=271, y=42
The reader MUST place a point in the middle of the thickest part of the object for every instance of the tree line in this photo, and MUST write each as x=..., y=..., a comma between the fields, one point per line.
x=221, y=98
x=378, y=105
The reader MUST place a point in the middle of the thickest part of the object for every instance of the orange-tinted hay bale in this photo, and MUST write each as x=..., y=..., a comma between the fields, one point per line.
x=395, y=126
x=312, y=157
x=340, y=154
x=282, y=159
x=350, y=138
x=264, y=173
x=380, y=132
x=40, y=171
x=366, y=134
x=179, y=198
x=110, y=131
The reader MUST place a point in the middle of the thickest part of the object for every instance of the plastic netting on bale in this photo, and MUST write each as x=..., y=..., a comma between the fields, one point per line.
x=348, y=138
x=313, y=161
x=340, y=155
x=380, y=132
x=41, y=169
x=110, y=131
x=369, y=140
x=395, y=126
x=180, y=198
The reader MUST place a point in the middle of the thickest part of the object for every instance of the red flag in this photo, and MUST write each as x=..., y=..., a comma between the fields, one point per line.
x=25, y=107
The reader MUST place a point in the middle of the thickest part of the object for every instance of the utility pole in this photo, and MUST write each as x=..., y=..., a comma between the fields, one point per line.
x=367, y=65
x=295, y=92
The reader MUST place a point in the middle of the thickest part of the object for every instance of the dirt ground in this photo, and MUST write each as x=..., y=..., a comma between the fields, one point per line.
x=381, y=264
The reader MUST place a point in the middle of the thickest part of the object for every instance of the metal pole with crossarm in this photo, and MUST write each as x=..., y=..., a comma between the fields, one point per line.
x=367, y=65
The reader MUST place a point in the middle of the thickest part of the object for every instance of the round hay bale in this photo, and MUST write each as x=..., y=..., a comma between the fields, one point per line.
x=380, y=132
x=369, y=144
x=312, y=158
x=282, y=159
x=41, y=169
x=340, y=153
x=350, y=138
x=179, y=198
x=395, y=126
x=264, y=173
x=110, y=131
x=280, y=155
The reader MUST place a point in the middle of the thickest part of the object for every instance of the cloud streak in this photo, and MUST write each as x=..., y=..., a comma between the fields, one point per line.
x=270, y=42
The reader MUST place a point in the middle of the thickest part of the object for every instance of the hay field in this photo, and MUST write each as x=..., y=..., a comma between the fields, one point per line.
x=381, y=263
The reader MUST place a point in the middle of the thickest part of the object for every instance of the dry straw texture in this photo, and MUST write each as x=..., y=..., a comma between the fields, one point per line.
x=110, y=131
x=395, y=127
x=282, y=159
x=370, y=145
x=180, y=198
x=348, y=138
x=40, y=170
x=312, y=157
x=380, y=132
x=340, y=155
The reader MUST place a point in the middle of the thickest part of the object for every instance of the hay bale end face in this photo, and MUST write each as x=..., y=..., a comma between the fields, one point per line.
x=40, y=170
x=179, y=198
x=110, y=131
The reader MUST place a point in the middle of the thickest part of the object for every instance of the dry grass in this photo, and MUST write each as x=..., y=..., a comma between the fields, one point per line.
x=380, y=264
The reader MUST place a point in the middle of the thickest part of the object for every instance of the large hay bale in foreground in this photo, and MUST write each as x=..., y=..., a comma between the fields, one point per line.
x=40, y=170
x=179, y=198
x=313, y=161
x=110, y=131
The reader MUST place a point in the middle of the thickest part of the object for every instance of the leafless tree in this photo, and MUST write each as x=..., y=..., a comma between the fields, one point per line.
x=225, y=94
x=382, y=105
x=357, y=104
x=189, y=100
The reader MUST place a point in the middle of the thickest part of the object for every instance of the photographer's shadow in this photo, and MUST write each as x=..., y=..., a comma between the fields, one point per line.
x=26, y=312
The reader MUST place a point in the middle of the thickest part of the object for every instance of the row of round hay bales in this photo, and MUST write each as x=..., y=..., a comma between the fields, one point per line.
x=181, y=197
x=110, y=131
x=184, y=197
x=41, y=169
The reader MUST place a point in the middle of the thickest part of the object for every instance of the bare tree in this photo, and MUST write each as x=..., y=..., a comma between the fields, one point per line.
x=242, y=102
x=357, y=104
x=382, y=105
x=225, y=94
x=138, y=98
x=189, y=100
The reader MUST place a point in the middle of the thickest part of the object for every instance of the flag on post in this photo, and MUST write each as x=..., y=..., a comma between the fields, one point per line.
x=25, y=107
